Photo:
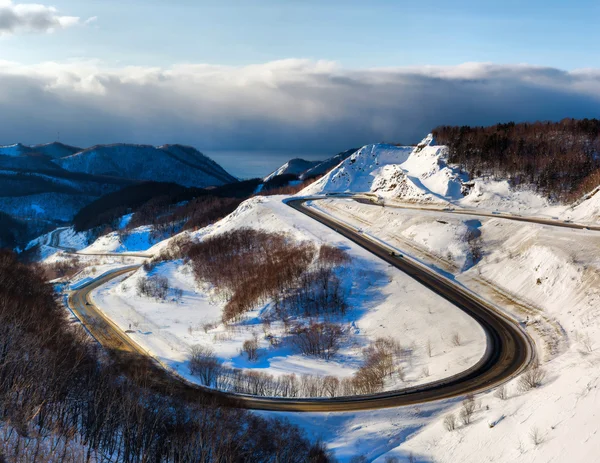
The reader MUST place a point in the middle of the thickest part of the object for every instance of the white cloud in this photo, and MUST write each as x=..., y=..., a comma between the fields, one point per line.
x=31, y=17
x=290, y=105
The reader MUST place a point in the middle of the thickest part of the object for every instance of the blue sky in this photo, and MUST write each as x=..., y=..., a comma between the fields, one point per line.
x=253, y=83
x=354, y=33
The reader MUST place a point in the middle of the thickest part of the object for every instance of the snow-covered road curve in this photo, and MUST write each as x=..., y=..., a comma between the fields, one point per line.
x=509, y=349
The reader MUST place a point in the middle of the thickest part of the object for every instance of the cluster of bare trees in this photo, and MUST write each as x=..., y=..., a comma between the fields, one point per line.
x=318, y=339
x=65, y=268
x=383, y=359
x=60, y=401
x=560, y=158
x=248, y=267
x=465, y=415
x=319, y=292
x=155, y=286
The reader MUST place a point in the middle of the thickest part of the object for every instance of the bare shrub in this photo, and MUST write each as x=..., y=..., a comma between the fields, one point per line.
x=318, y=339
x=468, y=408
x=536, y=436
x=456, y=340
x=318, y=292
x=532, y=378
x=63, y=269
x=450, y=422
x=587, y=343
x=155, y=286
x=332, y=256
x=473, y=238
x=501, y=393
x=331, y=385
x=250, y=347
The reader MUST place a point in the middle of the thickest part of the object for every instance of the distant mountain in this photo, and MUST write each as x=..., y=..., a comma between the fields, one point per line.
x=52, y=150
x=304, y=170
x=325, y=166
x=55, y=150
x=169, y=163
x=294, y=167
x=46, y=185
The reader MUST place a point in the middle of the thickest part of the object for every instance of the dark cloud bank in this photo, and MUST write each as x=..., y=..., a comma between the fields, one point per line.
x=291, y=106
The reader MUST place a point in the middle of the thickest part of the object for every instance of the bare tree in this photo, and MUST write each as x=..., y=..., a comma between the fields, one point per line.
x=532, y=378
x=250, y=347
x=204, y=364
x=456, y=340
x=450, y=422
x=318, y=339
x=501, y=393
x=468, y=408
x=536, y=436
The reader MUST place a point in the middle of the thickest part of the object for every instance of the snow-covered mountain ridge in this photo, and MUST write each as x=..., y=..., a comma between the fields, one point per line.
x=294, y=166
x=168, y=163
x=412, y=173
x=422, y=174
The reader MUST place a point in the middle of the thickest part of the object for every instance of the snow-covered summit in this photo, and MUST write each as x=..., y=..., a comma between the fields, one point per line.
x=294, y=166
x=412, y=173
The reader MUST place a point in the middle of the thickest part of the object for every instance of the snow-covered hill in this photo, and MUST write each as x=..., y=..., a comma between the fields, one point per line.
x=53, y=150
x=421, y=174
x=169, y=163
x=294, y=166
x=411, y=173
x=323, y=167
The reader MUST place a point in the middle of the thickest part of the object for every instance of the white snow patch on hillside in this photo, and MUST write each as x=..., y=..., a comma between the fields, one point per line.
x=135, y=240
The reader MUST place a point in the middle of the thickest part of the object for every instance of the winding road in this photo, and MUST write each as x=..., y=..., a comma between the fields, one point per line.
x=509, y=349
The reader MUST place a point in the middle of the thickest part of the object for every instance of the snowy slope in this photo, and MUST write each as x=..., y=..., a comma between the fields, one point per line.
x=323, y=167
x=169, y=163
x=375, y=169
x=55, y=150
x=294, y=166
x=17, y=149
x=410, y=173
x=136, y=240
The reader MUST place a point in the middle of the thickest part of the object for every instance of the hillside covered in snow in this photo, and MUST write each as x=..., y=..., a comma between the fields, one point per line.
x=169, y=163
x=422, y=175
x=294, y=166
x=48, y=184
